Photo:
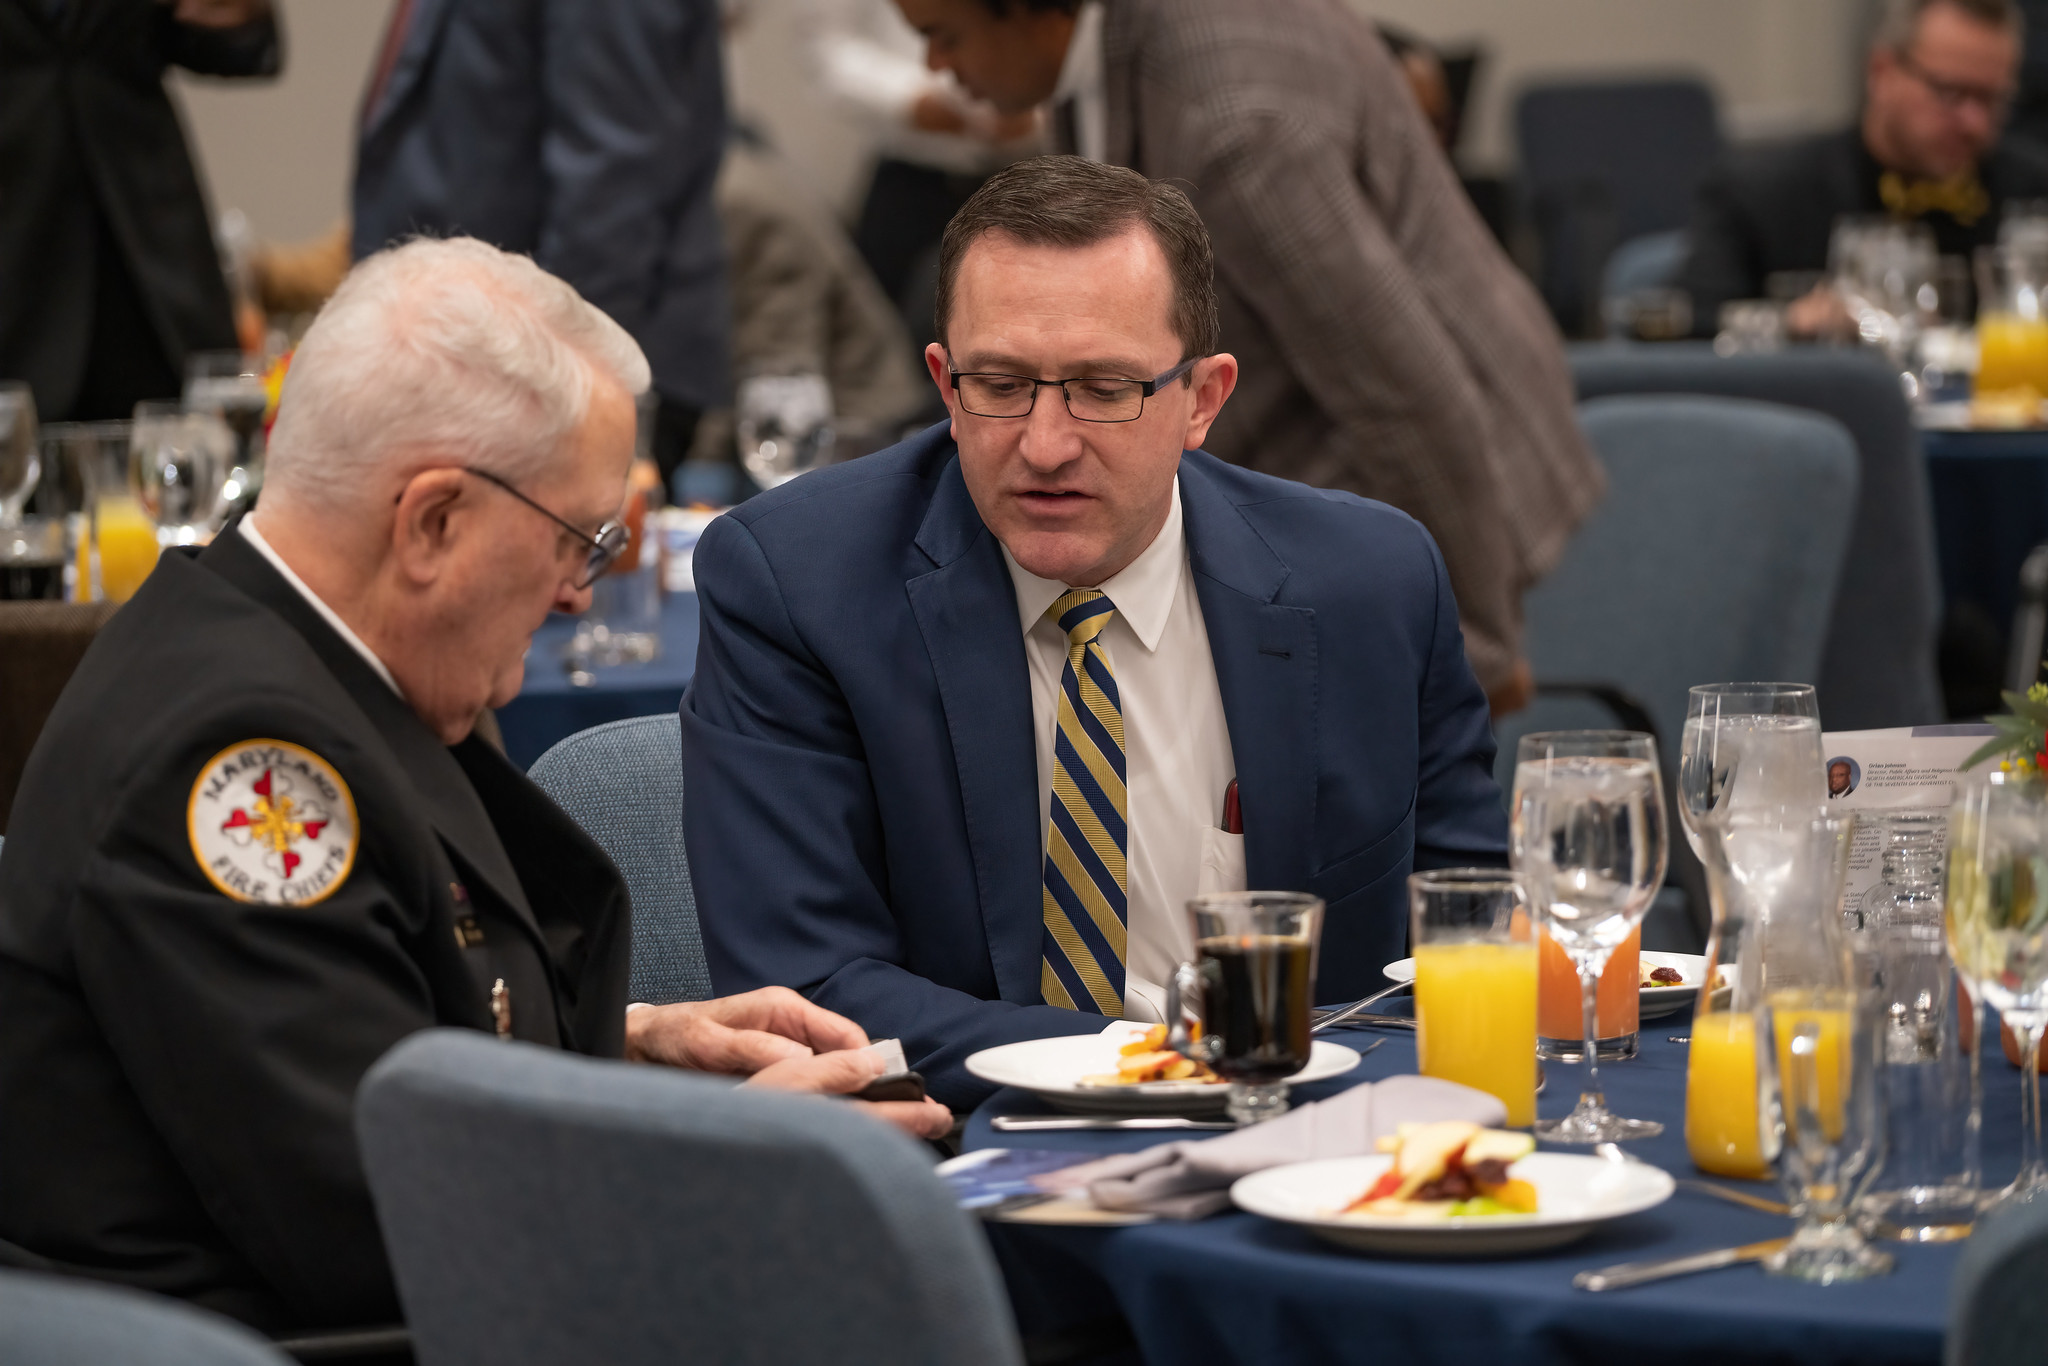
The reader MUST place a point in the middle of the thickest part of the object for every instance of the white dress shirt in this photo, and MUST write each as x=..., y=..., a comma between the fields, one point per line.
x=247, y=529
x=1083, y=83
x=1176, y=748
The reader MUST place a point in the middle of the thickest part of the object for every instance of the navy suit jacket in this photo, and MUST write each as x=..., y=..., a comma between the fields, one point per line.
x=860, y=779
x=587, y=135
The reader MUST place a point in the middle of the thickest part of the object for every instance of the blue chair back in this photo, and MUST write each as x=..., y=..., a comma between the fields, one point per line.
x=623, y=783
x=1714, y=557
x=58, y=1321
x=1878, y=666
x=541, y=1207
x=1997, y=1315
x=1605, y=162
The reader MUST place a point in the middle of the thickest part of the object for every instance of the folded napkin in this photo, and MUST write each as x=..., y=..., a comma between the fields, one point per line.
x=1191, y=1179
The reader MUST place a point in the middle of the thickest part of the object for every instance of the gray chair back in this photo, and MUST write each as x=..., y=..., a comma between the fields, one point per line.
x=1713, y=558
x=1602, y=162
x=1997, y=1315
x=623, y=783
x=541, y=1207
x=58, y=1321
x=1878, y=664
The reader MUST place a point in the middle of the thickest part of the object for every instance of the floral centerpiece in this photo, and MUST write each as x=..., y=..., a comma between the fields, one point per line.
x=2021, y=745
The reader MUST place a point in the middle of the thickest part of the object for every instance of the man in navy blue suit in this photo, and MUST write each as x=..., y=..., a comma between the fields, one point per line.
x=966, y=711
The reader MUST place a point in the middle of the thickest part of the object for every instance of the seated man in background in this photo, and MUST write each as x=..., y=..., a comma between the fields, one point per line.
x=1940, y=78
x=258, y=842
x=966, y=711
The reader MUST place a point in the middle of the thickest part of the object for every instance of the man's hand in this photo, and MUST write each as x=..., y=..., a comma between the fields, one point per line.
x=779, y=1040
x=1820, y=313
x=838, y=1074
x=738, y=1035
x=1514, y=694
x=220, y=13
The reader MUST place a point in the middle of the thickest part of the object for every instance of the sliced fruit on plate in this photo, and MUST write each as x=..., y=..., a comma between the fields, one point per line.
x=1450, y=1167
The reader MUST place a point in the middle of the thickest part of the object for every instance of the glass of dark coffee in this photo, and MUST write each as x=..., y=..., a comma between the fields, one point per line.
x=1253, y=975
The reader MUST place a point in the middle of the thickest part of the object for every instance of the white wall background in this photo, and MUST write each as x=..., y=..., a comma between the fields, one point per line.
x=283, y=151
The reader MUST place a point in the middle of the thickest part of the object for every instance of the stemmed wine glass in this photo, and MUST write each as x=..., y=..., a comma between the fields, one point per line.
x=1590, y=844
x=20, y=464
x=230, y=385
x=1748, y=746
x=1998, y=930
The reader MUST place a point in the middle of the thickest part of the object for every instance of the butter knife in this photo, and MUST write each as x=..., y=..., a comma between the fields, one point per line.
x=1637, y=1273
x=1025, y=1124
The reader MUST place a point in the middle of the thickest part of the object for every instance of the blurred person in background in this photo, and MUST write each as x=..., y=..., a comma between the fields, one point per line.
x=109, y=276
x=588, y=135
x=935, y=142
x=1388, y=345
x=1940, y=78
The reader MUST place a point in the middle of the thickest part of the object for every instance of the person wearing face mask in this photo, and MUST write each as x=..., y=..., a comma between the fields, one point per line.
x=975, y=716
x=259, y=841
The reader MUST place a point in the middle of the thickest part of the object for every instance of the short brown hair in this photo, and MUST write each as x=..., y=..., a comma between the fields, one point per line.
x=1063, y=201
x=1899, y=23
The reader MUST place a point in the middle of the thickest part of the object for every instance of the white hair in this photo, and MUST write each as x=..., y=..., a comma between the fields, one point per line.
x=451, y=347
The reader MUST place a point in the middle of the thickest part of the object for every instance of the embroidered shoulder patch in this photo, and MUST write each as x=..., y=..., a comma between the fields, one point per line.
x=272, y=822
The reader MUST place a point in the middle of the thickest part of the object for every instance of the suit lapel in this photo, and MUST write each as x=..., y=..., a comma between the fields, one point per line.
x=966, y=610
x=423, y=35
x=451, y=803
x=1267, y=671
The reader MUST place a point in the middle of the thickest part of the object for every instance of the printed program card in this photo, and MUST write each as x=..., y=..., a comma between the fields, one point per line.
x=1912, y=770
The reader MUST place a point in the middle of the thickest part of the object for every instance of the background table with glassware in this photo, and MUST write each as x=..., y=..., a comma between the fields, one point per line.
x=1239, y=1288
x=556, y=700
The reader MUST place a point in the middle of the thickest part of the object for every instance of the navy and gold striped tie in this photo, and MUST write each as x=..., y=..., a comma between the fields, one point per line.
x=1086, y=840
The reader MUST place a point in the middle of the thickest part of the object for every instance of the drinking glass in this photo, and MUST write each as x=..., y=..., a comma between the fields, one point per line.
x=1590, y=845
x=1998, y=929
x=1475, y=984
x=2012, y=323
x=1254, y=971
x=1821, y=1070
x=1878, y=267
x=784, y=426
x=229, y=384
x=1748, y=745
x=180, y=462
x=20, y=463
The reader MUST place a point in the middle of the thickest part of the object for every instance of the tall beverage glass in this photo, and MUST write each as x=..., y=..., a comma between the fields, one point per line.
x=1253, y=975
x=1475, y=984
x=1589, y=842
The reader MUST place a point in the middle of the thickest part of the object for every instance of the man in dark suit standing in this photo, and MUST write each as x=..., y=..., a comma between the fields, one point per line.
x=586, y=135
x=108, y=272
x=1388, y=346
x=1940, y=78
x=966, y=711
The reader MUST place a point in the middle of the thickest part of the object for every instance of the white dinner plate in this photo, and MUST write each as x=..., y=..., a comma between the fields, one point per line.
x=1654, y=1003
x=1053, y=1068
x=1574, y=1193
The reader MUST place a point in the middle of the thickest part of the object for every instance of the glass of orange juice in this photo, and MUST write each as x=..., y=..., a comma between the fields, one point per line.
x=1475, y=984
x=1559, y=1028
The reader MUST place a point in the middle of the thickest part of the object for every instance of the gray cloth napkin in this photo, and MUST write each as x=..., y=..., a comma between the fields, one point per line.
x=1191, y=1179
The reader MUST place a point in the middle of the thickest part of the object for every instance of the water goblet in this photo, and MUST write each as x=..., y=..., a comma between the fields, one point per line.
x=1590, y=846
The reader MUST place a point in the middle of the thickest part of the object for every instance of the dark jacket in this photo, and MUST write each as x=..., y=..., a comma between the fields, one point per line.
x=1773, y=206
x=87, y=129
x=858, y=739
x=177, y=1065
x=588, y=135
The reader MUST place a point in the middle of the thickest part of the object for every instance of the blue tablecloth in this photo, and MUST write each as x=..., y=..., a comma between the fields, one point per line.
x=1990, y=508
x=550, y=708
x=1240, y=1289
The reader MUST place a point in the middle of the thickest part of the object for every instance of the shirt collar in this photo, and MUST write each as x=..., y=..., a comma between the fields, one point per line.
x=1142, y=590
x=247, y=529
x=1081, y=73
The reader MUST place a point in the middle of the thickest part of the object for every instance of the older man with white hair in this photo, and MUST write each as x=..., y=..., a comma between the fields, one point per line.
x=258, y=842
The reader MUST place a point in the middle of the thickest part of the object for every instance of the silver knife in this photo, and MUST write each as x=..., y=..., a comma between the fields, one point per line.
x=1637, y=1273
x=1024, y=1124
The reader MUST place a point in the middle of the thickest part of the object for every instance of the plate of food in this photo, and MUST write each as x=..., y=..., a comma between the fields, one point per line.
x=1670, y=981
x=1127, y=1070
x=1453, y=1189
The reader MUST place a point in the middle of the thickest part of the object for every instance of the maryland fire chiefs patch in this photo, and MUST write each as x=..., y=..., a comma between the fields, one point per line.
x=272, y=823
